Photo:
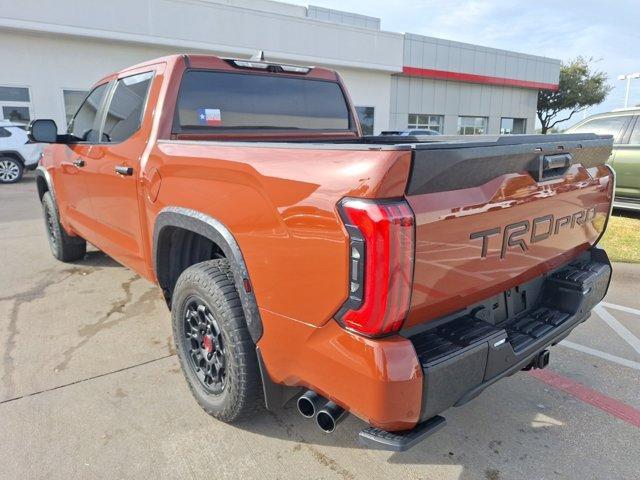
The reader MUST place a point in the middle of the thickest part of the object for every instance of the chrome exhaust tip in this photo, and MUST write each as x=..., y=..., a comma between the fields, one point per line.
x=309, y=403
x=329, y=416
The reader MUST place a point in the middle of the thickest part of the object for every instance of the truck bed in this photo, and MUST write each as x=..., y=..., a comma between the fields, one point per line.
x=552, y=189
x=399, y=142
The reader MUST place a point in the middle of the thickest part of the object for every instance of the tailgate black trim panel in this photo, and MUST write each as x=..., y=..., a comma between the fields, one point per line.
x=436, y=168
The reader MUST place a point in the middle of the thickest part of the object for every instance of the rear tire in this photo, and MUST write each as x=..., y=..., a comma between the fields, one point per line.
x=216, y=352
x=11, y=170
x=63, y=246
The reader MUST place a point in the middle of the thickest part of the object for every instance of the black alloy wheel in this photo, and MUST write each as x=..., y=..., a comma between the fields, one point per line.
x=216, y=352
x=206, y=346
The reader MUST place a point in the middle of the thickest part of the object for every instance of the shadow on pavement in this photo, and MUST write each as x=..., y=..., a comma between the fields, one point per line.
x=524, y=429
x=96, y=258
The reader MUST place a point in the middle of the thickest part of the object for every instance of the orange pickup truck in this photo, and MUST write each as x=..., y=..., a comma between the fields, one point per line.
x=390, y=277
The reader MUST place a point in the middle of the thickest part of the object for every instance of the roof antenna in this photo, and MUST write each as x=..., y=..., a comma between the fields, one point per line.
x=258, y=56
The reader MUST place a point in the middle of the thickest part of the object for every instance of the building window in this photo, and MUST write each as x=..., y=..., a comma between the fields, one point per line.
x=72, y=101
x=16, y=114
x=418, y=121
x=15, y=104
x=366, y=117
x=472, y=125
x=513, y=126
x=14, y=94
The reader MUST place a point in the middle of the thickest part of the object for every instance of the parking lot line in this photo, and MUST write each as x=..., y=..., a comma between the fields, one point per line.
x=617, y=327
x=604, y=355
x=599, y=400
x=622, y=308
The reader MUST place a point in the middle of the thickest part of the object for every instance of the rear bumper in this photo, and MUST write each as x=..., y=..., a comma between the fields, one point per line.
x=398, y=382
x=378, y=380
x=463, y=355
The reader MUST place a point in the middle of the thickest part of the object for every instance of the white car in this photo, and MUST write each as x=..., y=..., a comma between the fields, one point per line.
x=16, y=154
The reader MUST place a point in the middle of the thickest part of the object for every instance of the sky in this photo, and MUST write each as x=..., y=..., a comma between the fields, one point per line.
x=608, y=31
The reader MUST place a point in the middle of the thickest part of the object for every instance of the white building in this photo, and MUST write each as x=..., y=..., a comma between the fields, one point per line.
x=51, y=53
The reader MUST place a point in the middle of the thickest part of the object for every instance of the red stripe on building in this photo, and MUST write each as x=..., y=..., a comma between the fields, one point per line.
x=592, y=397
x=472, y=78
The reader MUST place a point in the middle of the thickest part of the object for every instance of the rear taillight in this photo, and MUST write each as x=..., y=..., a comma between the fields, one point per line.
x=381, y=251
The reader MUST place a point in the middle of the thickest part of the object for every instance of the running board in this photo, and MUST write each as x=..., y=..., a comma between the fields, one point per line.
x=627, y=204
x=400, y=441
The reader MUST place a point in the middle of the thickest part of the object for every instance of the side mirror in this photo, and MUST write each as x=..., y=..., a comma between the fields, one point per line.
x=43, y=131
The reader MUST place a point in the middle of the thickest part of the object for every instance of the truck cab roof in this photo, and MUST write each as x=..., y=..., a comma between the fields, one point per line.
x=202, y=61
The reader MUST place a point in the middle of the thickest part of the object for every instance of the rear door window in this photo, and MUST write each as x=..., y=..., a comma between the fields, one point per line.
x=126, y=107
x=212, y=101
x=604, y=126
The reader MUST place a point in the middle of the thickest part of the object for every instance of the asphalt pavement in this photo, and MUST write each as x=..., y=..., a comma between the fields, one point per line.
x=90, y=387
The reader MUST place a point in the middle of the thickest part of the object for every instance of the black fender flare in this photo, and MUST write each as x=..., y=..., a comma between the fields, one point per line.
x=218, y=233
x=43, y=173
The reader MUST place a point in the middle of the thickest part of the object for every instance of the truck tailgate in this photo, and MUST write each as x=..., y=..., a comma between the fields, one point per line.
x=492, y=213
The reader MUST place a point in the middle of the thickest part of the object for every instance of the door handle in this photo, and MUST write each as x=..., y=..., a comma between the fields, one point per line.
x=122, y=170
x=551, y=162
x=79, y=163
x=551, y=166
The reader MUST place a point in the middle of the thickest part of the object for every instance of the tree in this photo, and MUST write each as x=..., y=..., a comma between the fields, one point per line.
x=579, y=88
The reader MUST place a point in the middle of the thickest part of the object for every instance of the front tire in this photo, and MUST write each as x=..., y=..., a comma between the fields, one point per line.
x=216, y=352
x=63, y=246
x=11, y=170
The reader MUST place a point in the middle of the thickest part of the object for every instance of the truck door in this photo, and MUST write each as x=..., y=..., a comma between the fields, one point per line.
x=113, y=169
x=71, y=188
x=73, y=197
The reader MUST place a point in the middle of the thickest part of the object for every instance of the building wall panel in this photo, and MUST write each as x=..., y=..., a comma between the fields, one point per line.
x=471, y=59
x=454, y=99
x=226, y=28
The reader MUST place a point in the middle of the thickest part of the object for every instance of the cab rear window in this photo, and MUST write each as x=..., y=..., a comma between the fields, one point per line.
x=218, y=101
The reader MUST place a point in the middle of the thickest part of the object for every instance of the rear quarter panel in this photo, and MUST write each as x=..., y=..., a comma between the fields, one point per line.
x=280, y=205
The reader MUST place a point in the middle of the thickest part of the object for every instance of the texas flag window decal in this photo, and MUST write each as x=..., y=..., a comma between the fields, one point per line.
x=209, y=116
